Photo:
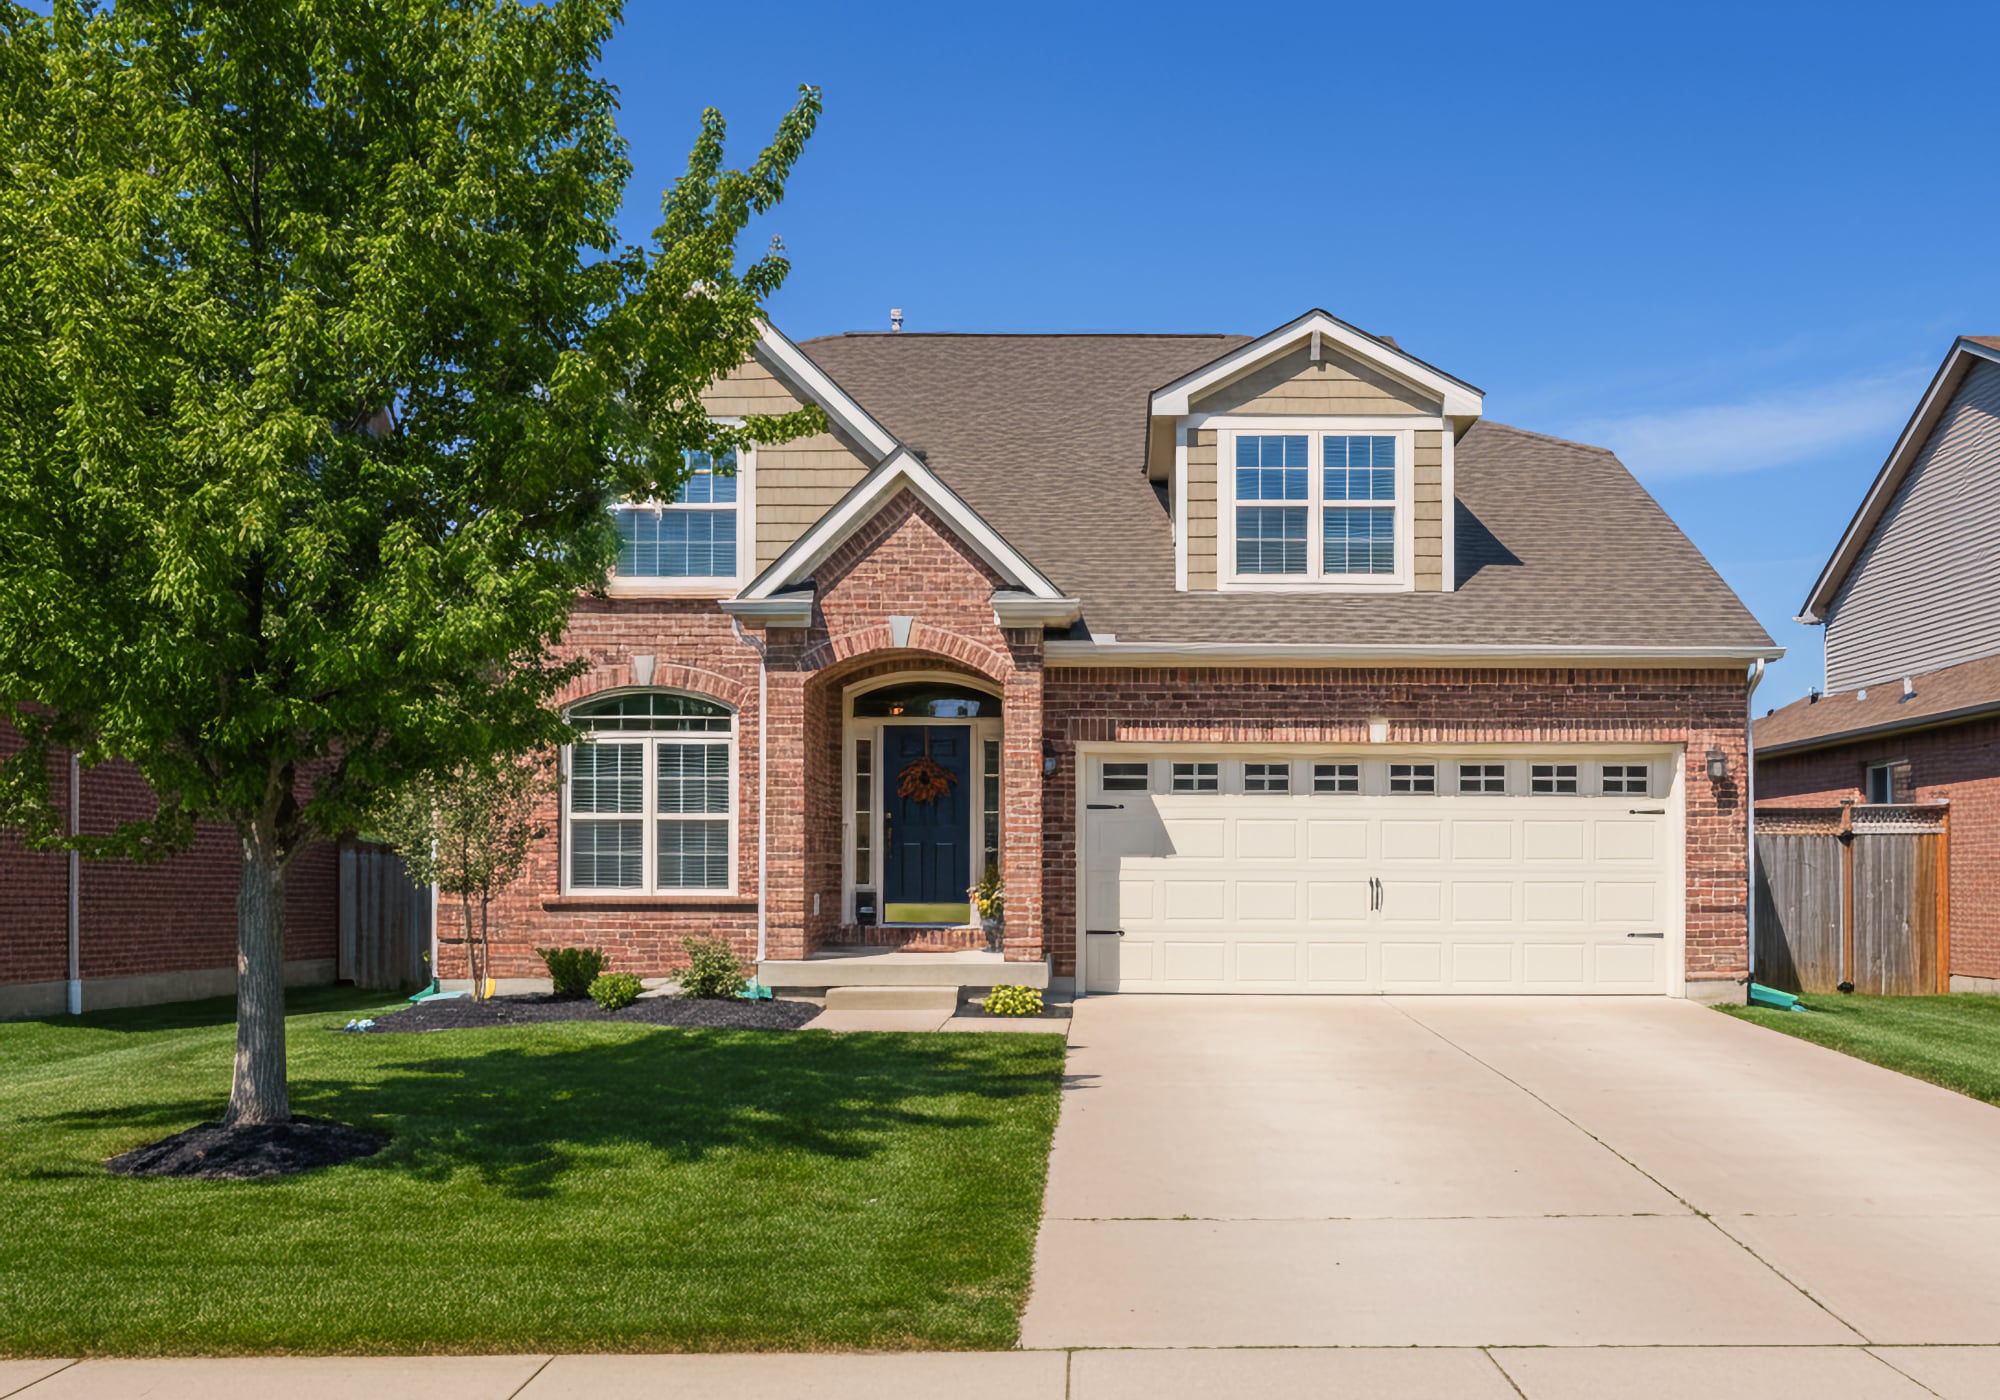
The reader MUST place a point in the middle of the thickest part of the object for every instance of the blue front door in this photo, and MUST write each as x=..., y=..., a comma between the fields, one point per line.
x=925, y=879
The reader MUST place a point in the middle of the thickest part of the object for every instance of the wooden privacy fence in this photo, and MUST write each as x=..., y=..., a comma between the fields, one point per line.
x=1856, y=895
x=385, y=921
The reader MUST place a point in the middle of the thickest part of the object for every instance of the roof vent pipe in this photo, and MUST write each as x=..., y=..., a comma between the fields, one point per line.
x=895, y=319
x=1909, y=687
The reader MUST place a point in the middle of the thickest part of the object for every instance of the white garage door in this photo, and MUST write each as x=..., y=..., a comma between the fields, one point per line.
x=1449, y=872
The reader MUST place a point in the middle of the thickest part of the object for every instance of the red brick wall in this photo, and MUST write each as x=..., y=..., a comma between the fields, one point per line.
x=135, y=919
x=1325, y=705
x=1959, y=764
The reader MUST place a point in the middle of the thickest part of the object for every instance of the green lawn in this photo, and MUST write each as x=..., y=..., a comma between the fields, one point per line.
x=1948, y=1040
x=568, y=1187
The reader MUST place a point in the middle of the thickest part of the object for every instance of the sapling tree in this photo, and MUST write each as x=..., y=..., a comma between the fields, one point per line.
x=469, y=833
x=321, y=362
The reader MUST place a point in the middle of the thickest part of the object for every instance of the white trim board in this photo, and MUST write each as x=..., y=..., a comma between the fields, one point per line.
x=819, y=387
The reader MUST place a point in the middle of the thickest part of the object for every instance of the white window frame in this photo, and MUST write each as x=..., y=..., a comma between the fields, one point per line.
x=1124, y=780
x=1481, y=775
x=1195, y=779
x=717, y=586
x=1625, y=778
x=1555, y=775
x=1357, y=777
x=1273, y=768
x=649, y=816
x=1316, y=430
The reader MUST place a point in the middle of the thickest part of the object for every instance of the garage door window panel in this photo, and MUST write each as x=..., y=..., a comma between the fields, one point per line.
x=1267, y=777
x=1552, y=779
x=1337, y=777
x=1482, y=777
x=1413, y=777
x=1197, y=777
x=1126, y=777
x=1633, y=779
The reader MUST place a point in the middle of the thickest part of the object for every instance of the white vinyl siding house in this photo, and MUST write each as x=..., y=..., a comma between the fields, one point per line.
x=1924, y=593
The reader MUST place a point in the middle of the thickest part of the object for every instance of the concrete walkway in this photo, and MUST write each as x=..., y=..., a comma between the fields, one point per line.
x=1473, y=1373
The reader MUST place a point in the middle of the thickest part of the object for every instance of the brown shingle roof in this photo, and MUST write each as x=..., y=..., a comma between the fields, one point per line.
x=1045, y=436
x=1971, y=687
x=1991, y=342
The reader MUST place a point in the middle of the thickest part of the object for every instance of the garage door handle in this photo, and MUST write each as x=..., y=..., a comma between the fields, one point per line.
x=1374, y=893
x=1105, y=807
x=1655, y=934
x=1107, y=932
x=1646, y=812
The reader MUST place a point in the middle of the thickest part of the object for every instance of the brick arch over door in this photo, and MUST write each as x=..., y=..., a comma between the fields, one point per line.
x=928, y=644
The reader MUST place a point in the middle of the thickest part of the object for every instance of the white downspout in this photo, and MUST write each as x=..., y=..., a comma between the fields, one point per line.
x=1750, y=811
x=763, y=770
x=75, y=887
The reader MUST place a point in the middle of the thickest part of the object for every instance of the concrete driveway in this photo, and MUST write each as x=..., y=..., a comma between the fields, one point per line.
x=1494, y=1173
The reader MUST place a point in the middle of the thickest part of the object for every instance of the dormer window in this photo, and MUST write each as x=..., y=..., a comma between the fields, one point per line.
x=692, y=538
x=1318, y=508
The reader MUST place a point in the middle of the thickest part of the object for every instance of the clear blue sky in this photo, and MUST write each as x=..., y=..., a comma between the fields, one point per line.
x=1731, y=242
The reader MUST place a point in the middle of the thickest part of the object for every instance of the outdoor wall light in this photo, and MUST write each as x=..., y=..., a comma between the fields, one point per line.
x=1049, y=759
x=1718, y=764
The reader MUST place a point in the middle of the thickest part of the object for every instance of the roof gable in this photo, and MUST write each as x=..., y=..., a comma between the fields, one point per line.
x=1965, y=352
x=1315, y=330
x=901, y=471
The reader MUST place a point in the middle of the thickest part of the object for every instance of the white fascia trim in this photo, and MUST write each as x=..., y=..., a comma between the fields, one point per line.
x=1113, y=653
x=1460, y=399
x=1180, y=506
x=1448, y=476
x=1025, y=610
x=901, y=470
x=785, y=610
x=1916, y=433
x=820, y=388
x=1316, y=423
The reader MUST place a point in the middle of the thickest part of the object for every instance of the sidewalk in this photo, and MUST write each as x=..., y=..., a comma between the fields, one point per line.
x=1403, y=1373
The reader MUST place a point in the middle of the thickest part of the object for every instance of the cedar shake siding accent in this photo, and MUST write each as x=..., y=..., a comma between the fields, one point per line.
x=1201, y=507
x=1429, y=504
x=1925, y=591
x=798, y=481
x=1295, y=383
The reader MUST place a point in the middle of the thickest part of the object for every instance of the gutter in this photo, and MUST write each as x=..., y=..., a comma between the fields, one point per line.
x=763, y=775
x=1109, y=651
x=1872, y=731
x=75, y=991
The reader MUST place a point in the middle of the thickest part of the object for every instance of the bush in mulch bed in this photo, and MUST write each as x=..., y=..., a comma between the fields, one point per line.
x=250, y=1150
x=463, y=1013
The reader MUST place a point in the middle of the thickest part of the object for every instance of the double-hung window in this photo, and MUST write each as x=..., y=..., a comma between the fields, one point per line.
x=1337, y=521
x=691, y=537
x=1272, y=491
x=649, y=802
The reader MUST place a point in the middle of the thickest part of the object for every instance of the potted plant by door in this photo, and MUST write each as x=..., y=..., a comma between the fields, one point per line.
x=991, y=902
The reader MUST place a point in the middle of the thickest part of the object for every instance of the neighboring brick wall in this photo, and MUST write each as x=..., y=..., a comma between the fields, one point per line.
x=137, y=919
x=1328, y=705
x=1959, y=764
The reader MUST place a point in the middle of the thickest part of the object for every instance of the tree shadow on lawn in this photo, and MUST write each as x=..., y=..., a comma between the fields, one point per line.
x=219, y=1011
x=520, y=1115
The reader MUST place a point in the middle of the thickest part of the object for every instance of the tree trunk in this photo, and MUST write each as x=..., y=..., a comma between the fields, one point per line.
x=471, y=949
x=259, y=1093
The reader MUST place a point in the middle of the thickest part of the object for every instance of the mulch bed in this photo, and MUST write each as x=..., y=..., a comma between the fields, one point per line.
x=250, y=1150
x=463, y=1013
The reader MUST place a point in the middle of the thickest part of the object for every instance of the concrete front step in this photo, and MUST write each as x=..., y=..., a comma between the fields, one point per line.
x=885, y=967
x=904, y=998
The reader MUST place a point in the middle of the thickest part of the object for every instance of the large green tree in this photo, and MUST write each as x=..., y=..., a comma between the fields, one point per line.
x=320, y=363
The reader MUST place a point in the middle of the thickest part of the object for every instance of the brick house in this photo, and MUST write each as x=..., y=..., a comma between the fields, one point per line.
x=119, y=933
x=1910, y=600
x=1247, y=664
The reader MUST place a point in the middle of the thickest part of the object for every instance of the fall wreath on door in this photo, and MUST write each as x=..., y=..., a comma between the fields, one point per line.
x=924, y=779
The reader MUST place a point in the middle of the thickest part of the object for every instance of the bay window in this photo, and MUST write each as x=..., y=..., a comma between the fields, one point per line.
x=649, y=795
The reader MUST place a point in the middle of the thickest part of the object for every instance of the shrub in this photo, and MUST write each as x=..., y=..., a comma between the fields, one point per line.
x=1013, y=1001
x=572, y=969
x=615, y=991
x=713, y=971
